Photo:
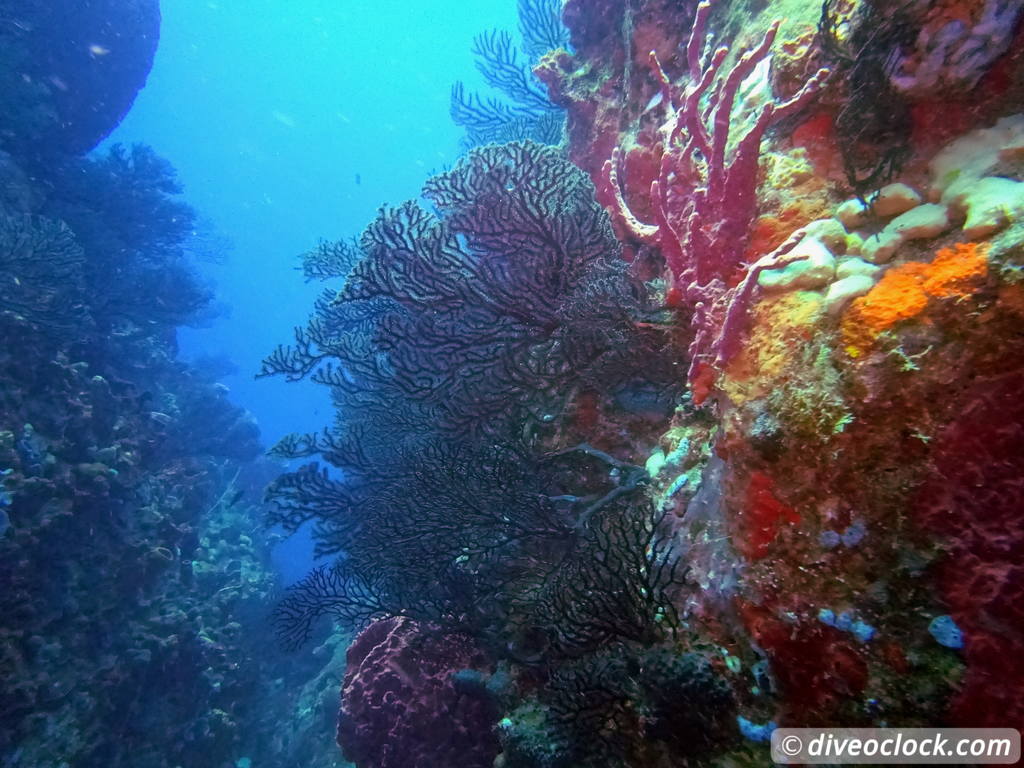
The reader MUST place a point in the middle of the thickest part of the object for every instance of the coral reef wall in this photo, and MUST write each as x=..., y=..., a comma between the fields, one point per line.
x=134, y=567
x=796, y=502
x=856, y=395
x=71, y=71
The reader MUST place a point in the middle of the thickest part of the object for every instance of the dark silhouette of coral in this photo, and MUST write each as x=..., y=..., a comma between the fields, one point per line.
x=486, y=313
x=41, y=268
x=621, y=707
x=69, y=71
x=614, y=585
x=124, y=210
x=451, y=351
x=489, y=544
x=332, y=590
x=684, y=702
x=482, y=320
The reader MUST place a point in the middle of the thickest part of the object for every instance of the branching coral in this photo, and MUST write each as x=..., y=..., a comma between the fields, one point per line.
x=330, y=260
x=540, y=25
x=704, y=198
x=530, y=115
x=494, y=544
x=490, y=314
x=327, y=590
x=40, y=272
x=626, y=706
x=451, y=350
x=615, y=585
x=125, y=214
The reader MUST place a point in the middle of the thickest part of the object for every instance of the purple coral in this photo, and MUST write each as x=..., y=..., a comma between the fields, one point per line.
x=401, y=707
x=705, y=197
x=953, y=51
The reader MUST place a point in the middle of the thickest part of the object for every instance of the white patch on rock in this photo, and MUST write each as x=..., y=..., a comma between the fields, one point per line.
x=852, y=214
x=830, y=232
x=976, y=155
x=921, y=223
x=894, y=199
x=842, y=292
x=849, y=267
x=989, y=205
x=815, y=271
x=881, y=247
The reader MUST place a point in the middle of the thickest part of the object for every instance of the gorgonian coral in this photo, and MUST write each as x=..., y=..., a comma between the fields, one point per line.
x=529, y=114
x=492, y=312
x=623, y=707
x=126, y=214
x=451, y=351
x=40, y=272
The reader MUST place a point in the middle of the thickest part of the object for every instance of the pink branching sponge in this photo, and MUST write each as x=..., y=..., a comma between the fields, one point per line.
x=705, y=197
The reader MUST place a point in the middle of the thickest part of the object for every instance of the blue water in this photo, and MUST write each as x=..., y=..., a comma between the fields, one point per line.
x=289, y=121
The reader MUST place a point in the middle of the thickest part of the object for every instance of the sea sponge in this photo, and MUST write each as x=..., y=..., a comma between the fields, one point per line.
x=904, y=292
x=898, y=296
x=780, y=323
x=957, y=271
x=762, y=517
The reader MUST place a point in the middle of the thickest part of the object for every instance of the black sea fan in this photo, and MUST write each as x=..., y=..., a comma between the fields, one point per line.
x=451, y=348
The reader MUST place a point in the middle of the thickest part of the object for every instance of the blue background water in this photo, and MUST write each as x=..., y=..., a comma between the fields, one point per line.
x=290, y=121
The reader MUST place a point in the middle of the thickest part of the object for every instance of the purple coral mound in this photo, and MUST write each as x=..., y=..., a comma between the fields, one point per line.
x=400, y=707
x=77, y=68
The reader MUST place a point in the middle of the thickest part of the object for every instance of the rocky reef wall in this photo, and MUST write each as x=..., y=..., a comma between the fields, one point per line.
x=135, y=578
x=821, y=213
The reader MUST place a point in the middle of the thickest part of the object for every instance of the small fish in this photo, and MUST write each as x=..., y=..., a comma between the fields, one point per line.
x=98, y=50
x=236, y=498
x=359, y=179
x=284, y=119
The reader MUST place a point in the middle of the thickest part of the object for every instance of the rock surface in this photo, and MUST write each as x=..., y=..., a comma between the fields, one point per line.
x=71, y=71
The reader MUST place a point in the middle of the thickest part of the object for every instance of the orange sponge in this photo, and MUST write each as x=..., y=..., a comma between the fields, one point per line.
x=904, y=291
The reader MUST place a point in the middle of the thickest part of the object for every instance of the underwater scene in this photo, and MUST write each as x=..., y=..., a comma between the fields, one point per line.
x=507, y=383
